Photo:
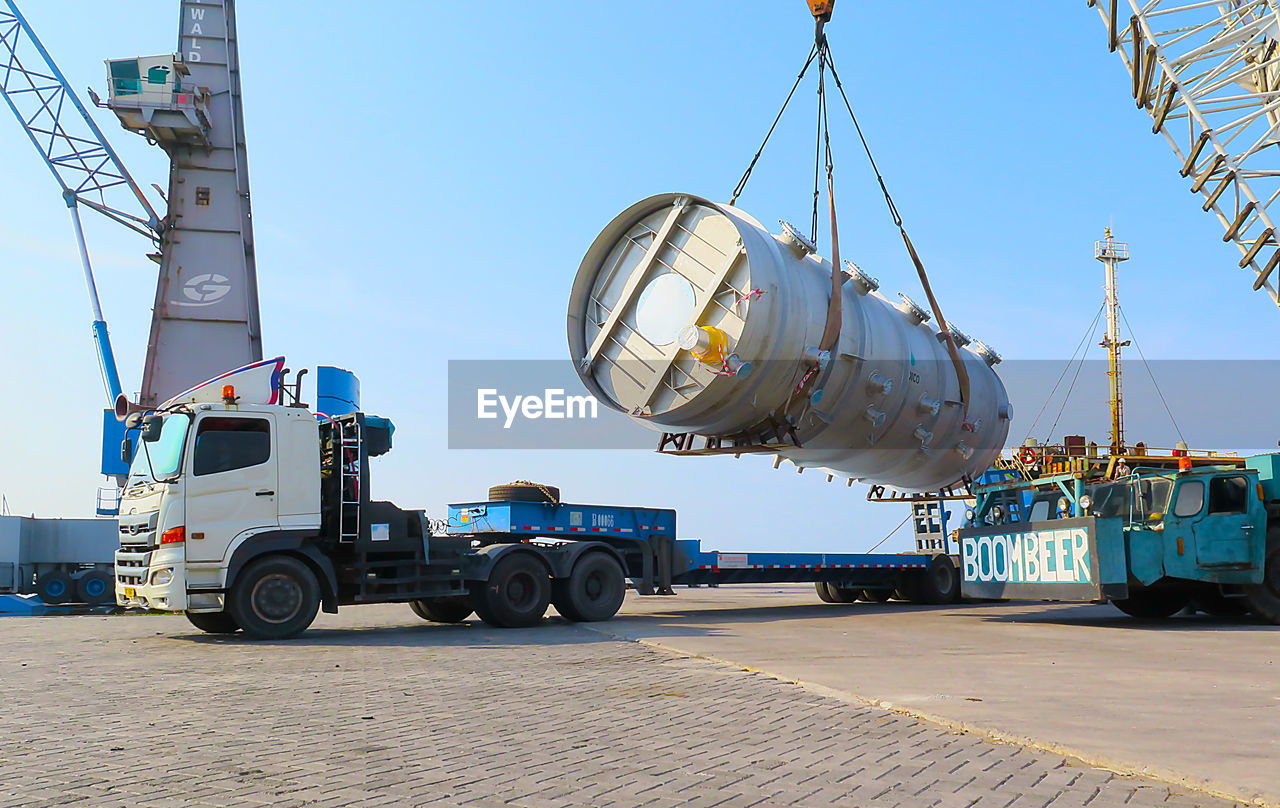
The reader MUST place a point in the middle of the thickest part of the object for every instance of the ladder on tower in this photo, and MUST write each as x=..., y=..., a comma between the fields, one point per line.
x=1208, y=74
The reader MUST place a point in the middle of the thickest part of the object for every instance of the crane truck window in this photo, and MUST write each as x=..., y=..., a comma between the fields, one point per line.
x=1228, y=494
x=226, y=444
x=1190, y=498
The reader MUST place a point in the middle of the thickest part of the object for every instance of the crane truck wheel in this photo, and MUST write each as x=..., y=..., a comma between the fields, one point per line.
x=517, y=593
x=1264, y=598
x=876, y=595
x=1213, y=602
x=274, y=598
x=1153, y=604
x=442, y=610
x=824, y=594
x=55, y=587
x=594, y=591
x=940, y=583
x=96, y=587
x=213, y=622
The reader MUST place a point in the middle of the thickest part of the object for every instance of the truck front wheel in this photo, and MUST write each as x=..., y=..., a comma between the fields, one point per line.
x=442, y=610
x=516, y=594
x=274, y=598
x=594, y=591
x=1264, y=598
x=213, y=622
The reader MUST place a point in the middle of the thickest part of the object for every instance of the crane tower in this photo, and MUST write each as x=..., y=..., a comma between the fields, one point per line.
x=205, y=321
x=1111, y=252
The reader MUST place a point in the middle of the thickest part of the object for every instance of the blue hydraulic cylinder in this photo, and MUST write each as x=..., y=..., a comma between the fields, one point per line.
x=107, y=360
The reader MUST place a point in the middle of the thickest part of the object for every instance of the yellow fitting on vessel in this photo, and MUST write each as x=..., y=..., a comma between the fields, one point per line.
x=708, y=344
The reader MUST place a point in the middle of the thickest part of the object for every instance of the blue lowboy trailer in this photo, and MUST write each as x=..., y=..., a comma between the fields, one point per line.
x=527, y=553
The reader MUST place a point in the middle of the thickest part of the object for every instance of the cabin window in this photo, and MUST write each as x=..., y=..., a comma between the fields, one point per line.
x=227, y=444
x=1190, y=498
x=1228, y=494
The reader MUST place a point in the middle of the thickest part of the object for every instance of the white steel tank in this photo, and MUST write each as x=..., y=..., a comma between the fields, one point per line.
x=692, y=318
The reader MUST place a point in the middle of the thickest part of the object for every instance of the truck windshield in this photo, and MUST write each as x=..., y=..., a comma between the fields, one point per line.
x=1137, y=501
x=153, y=462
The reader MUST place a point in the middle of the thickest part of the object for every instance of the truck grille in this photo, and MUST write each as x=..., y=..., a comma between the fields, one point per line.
x=138, y=531
x=131, y=568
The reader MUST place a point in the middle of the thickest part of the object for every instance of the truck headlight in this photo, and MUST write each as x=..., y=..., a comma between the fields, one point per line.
x=162, y=577
x=1085, y=502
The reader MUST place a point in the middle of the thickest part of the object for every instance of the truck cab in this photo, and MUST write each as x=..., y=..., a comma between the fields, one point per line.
x=204, y=480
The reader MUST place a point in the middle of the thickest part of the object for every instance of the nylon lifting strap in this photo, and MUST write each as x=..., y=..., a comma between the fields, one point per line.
x=953, y=350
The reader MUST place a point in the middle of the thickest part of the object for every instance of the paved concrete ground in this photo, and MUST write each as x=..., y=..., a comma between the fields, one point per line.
x=1195, y=698
x=374, y=707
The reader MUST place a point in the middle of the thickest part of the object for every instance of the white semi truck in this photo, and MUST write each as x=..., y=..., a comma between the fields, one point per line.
x=248, y=512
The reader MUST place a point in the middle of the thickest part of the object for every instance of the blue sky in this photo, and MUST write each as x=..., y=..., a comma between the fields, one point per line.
x=426, y=177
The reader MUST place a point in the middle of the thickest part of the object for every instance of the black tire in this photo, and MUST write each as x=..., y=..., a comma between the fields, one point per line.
x=1213, y=602
x=910, y=587
x=523, y=491
x=274, y=598
x=824, y=594
x=1153, y=604
x=96, y=587
x=442, y=610
x=594, y=591
x=843, y=594
x=213, y=622
x=55, y=588
x=940, y=583
x=877, y=595
x=1264, y=598
x=516, y=594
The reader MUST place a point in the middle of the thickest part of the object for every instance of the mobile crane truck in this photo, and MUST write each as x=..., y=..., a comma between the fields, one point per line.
x=248, y=512
x=1150, y=538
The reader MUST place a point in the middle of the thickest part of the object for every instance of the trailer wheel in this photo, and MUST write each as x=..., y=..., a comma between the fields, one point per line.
x=274, y=598
x=594, y=591
x=824, y=594
x=213, y=622
x=96, y=587
x=55, y=587
x=442, y=610
x=843, y=594
x=1264, y=598
x=877, y=595
x=1154, y=604
x=516, y=594
x=940, y=584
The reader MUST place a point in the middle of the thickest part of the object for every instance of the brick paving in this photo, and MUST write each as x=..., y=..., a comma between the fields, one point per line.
x=375, y=708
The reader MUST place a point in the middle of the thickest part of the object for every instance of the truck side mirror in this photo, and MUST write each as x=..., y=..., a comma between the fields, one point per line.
x=126, y=451
x=151, y=426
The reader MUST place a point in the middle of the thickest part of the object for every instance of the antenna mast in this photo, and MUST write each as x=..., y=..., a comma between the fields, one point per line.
x=1111, y=252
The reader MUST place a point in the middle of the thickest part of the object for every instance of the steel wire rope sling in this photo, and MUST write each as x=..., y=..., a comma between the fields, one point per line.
x=821, y=51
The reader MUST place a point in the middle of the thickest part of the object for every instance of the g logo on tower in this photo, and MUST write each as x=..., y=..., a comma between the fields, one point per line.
x=204, y=290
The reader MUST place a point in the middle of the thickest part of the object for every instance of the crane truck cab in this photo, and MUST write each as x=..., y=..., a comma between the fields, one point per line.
x=1151, y=542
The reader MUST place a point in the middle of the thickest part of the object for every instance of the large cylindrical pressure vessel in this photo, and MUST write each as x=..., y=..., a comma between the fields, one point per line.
x=691, y=317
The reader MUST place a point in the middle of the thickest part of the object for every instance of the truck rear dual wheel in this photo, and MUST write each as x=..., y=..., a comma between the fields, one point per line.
x=442, y=610
x=213, y=622
x=55, y=588
x=876, y=595
x=517, y=593
x=96, y=587
x=594, y=591
x=274, y=598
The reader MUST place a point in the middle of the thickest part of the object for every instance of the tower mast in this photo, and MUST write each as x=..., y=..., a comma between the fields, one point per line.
x=1111, y=252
